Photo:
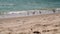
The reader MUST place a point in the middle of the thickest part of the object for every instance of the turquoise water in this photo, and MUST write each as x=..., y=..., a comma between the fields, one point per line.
x=12, y=5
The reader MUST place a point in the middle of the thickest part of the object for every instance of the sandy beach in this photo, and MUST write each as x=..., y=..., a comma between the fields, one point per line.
x=29, y=16
x=40, y=24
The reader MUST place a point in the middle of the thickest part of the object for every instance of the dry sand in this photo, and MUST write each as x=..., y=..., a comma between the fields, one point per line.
x=40, y=24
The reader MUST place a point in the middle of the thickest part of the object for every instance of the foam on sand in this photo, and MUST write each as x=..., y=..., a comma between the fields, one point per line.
x=11, y=14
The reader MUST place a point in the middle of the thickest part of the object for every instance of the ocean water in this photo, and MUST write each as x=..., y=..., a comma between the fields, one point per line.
x=7, y=6
x=17, y=5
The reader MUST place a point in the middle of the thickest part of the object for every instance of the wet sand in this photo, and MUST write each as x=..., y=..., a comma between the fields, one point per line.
x=40, y=24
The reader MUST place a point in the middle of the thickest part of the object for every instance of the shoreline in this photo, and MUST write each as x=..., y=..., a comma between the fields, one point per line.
x=13, y=14
x=28, y=16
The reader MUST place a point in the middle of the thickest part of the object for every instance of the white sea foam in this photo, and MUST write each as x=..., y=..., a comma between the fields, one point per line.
x=27, y=13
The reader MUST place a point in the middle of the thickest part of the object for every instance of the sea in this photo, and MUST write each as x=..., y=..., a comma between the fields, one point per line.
x=24, y=5
x=17, y=5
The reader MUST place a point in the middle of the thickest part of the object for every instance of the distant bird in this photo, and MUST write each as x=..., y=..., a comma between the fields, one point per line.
x=54, y=10
x=33, y=12
x=40, y=12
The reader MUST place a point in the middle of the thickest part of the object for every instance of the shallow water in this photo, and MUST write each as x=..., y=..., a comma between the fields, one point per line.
x=26, y=13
